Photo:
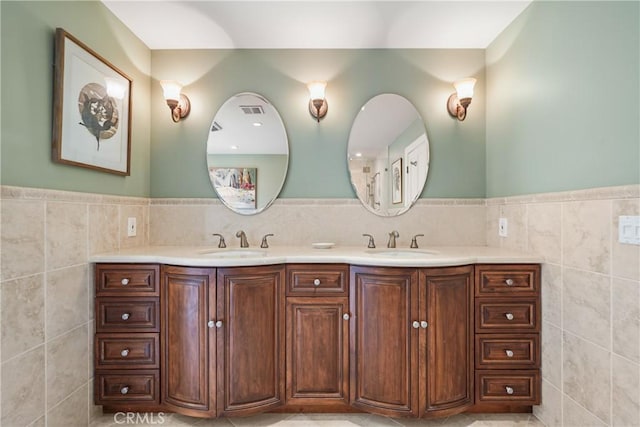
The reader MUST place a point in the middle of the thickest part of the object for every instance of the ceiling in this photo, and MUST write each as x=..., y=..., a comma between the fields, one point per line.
x=306, y=24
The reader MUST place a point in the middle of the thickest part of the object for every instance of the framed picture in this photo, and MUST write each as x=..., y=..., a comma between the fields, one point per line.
x=91, y=109
x=236, y=187
x=396, y=181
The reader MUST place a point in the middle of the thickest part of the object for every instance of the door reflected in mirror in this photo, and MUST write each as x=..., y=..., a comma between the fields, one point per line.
x=388, y=155
x=247, y=153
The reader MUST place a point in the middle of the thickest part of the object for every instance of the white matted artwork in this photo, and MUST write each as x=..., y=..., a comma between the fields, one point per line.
x=92, y=107
x=236, y=187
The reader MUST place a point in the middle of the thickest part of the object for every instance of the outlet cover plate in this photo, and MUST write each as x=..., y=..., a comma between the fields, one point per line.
x=132, y=228
x=629, y=229
x=502, y=227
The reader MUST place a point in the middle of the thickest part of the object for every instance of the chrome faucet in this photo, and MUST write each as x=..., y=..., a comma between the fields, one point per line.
x=243, y=239
x=392, y=239
x=222, y=243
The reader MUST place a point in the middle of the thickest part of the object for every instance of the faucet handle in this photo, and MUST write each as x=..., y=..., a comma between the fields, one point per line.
x=222, y=243
x=414, y=241
x=371, y=244
x=264, y=243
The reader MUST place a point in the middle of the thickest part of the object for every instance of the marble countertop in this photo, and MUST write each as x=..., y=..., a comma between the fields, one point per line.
x=211, y=256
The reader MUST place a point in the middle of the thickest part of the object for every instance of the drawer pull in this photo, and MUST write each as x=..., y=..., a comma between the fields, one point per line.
x=125, y=316
x=415, y=324
x=124, y=281
x=509, y=282
x=424, y=324
x=509, y=316
x=509, y=390
x=346, y=316
x=509, y=353
x=316, y=282
x=124, y=390
x=125, y=352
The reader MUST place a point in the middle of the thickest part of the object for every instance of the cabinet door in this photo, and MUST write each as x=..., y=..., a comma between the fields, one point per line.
x=384, y=342
x=252, y=378
x=317, y=351
x=188, y=343
x=449, y=359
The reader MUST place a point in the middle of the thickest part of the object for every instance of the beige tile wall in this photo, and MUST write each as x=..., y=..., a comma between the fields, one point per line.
x=299, y=222
x=46, y=298
x=590, y=301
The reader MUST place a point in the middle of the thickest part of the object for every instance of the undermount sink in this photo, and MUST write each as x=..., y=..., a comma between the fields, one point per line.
x=234, y=253
x=402, y=253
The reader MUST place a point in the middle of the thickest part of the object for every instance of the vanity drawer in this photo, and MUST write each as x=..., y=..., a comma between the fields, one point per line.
x=505, y=315
x=127, y=279
x=508, y=387
x=317, y=279
x=504, y=351
x=127, y=315
x=127, y=351
x=125, y=387
x=523, y=280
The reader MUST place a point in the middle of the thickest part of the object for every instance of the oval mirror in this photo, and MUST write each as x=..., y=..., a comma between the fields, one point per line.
x=388, y=155
x=247, y=153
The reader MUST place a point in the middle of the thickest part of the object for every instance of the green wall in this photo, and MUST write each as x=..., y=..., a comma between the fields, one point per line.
x=318, y=151
x=27, y=29
x=562, y=99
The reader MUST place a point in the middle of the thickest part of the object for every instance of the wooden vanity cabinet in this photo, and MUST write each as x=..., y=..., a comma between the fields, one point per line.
x=317, y=337
x=507, y=336
x=412, y=340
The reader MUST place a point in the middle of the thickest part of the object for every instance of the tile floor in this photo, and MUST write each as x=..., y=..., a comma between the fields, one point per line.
x=323, y=420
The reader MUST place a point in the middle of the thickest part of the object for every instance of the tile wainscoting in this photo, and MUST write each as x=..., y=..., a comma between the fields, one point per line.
x=591, y=288
x=46, y=298
x=590, y=298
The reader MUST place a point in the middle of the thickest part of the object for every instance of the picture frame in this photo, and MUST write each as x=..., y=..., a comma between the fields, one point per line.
x=236, y=186
x=91, y=109
x=396, y=181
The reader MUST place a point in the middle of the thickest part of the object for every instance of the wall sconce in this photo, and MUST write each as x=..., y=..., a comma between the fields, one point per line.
x=317, y=102
x=459, y=101
x=178, y=102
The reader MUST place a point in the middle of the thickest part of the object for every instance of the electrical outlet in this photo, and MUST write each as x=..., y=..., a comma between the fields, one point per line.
x=629, y=229
x=502, y=227
x=132, y=229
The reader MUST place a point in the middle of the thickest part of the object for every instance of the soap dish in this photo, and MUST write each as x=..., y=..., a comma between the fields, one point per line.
x=323, y=245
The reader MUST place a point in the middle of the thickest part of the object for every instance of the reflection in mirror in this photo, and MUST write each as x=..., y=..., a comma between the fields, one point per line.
x=388, y=155
x=247, y=153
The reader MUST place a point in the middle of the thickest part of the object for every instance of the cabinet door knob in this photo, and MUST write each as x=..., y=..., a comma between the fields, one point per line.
x=316, y=282
x=210, y=324
x=346, y=316
x=124, y=281
x=509, y=353
x=509, y=282
x=509, y=390
x=219, y=324
x=125, y=316
x=424, y=324
x=125, y=352
x=124, y=390
x=509, y=316
x=415, y=324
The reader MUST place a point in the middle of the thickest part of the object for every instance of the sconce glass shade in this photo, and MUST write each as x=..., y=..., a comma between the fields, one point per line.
x=459, y=101
x=464, y=87
x=171, y=89
x=177, y=102
x=317, y=103
x=114, y=88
